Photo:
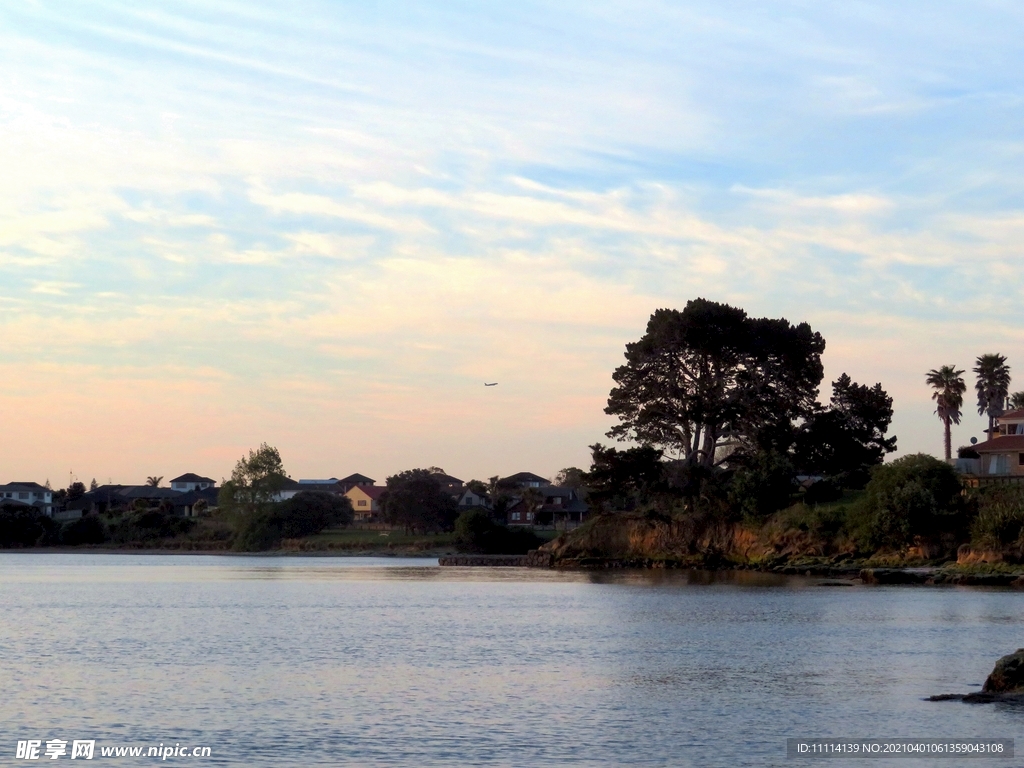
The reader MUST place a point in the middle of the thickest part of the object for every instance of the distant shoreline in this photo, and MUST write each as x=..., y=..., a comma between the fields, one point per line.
x=225, y=552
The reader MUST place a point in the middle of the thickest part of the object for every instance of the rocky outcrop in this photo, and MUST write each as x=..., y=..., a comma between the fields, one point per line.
x=1005, y=683
x=892, y=576
x=643, y=540
x=1008, y=675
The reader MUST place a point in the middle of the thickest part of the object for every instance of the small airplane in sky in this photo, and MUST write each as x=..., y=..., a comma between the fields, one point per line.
x=490, y=385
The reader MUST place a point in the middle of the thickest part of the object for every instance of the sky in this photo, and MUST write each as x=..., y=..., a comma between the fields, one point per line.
x=324, y=225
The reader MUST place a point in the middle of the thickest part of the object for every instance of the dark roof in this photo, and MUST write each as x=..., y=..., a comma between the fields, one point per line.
x=1000, y=444
x=525, y=477
x=14, y=503
x=187, y=499
x=149, y=492
x=30, y=484
x=557, y=490
x=357, y=478
x=1016, y=413
x=447, y=479
x=287, y=484
x=332, y=487
x=192, y=477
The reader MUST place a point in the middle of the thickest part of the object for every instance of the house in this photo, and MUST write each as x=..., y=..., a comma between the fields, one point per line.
x=331, y=485
x=191, y=482
x=188, y=504
x=525, y=480
x=469, y=498
x=353, y=480
x=449, y=483
x=365, y=501
x=1002, y=456
x=119, y=498
x=562, y=506
x=286, y=488
x=33, y=494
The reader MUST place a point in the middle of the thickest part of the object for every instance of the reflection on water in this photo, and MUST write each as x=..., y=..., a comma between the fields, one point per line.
x=364, y=661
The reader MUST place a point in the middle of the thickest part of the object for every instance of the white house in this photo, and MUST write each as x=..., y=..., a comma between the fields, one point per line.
x=191, y=482
x=33, y=494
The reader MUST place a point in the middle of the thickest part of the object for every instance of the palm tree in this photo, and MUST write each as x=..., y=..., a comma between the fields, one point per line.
x=993, y=387
x=1017, y=400
x=949, y=398
x=154, y=482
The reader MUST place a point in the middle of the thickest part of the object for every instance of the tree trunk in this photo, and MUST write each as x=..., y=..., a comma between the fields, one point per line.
x=949, y=440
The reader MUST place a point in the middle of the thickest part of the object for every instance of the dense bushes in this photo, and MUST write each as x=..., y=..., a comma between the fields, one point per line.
x=999, y=521
x=475, y=532
x=763, y=485
x=147, y=524
x=916, y=495
x=305, y=514
x=24, y=526
x=88, y=529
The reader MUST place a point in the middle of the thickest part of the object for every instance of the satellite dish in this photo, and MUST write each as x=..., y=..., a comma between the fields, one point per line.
x=974, y=441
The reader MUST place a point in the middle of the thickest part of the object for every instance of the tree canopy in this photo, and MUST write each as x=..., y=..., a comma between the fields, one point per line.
x=992, y=386
x=255, y=480
x=849, y=436
x=709, y=372
x=415, y=500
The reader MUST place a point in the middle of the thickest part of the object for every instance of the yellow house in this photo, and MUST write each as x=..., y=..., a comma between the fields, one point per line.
x=365, y=501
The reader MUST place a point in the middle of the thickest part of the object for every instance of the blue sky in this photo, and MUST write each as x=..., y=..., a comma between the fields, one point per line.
x=325, y=225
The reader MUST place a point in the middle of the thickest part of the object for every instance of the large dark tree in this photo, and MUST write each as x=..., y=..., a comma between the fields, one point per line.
x=624, y=478
x=415, y=500
x=708, y=373
x=849, y=436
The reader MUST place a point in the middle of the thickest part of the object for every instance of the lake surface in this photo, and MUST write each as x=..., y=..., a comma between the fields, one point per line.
x=360, y=661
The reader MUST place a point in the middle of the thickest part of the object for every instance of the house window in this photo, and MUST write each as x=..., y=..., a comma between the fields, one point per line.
x=1020, y=459
x=529, y=515
x=515, y=515
x=22, y=495
x=362, y=503
x=999, y=464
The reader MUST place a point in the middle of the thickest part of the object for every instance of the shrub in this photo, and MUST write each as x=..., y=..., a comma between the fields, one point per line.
x=763, y=485
x=259, y=531
x=305, y=514
x=148, y=524
x=916, y=495
x=23, y=526
x=475, y=532
x=88, y=529
x=823, y=492
x=309, y=512
x=1000, y=518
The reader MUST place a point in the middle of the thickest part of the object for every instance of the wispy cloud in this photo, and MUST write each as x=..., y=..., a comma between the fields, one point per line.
x=326, y=229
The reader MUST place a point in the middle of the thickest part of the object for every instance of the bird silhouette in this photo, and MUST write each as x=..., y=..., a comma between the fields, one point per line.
x=490, y=385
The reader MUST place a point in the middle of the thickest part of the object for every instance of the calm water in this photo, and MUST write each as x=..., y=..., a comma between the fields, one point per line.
x=339, y=661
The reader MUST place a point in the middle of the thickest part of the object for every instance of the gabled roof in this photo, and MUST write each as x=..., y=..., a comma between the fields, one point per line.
x=31, y=484
x=526, y=477
x=1017, y=413
x=357, y=478
x=192, y=477
x=373, y=491
x=1001, y=444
